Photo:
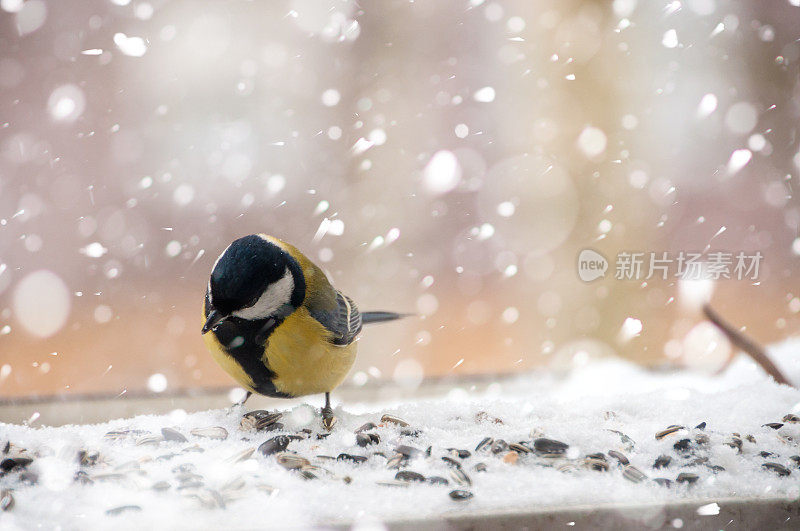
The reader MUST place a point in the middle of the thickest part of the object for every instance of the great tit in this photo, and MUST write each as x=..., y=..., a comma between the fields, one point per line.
x=276, y=324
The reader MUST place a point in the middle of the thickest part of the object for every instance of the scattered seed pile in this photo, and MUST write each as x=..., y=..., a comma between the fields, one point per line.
x=610, y=433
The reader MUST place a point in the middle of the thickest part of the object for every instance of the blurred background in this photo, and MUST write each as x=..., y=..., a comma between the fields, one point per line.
x=445, y=158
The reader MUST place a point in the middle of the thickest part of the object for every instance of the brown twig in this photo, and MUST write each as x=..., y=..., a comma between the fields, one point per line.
x=750, y=347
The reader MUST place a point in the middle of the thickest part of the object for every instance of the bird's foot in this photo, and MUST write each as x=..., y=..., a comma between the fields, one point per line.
x=328, y=420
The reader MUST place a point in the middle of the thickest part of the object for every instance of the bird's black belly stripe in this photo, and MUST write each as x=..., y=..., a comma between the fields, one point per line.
x=244, y=341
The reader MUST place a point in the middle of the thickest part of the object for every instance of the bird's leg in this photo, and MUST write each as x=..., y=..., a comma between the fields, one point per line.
x=246, y=397
x=241, y=402
x=328, y=420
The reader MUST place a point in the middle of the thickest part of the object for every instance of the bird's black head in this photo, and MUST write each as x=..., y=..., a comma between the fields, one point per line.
x=253, y=279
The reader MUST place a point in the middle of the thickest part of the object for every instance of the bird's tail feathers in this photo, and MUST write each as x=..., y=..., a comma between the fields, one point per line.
x=380, y=317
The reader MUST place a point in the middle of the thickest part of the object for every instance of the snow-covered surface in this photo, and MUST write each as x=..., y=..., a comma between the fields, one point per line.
x=580, y=410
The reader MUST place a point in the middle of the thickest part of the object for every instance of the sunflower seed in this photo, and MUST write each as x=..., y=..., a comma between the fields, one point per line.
x=684, y=445
x=631, y=473
x=777, y=468
x=208, y=498
x=82, y=477
x=664, y=482
x=437, y=480
x=6, y=500
x=567, y=467
x=480, y=467
x=461, y=495
x=410, y=432
x=451, y=462
x=408, y=451
x=662, y=461
x=184, y=468
x=460, y=477
x=668, y=431
x=397, y=461
x=241, y=456
x=308, y=474
x=160, y=486
x=87, y=459
x=686, y=477
x=291, y=461
x=599, y=465
x=318, y=471
x=125, y=508
x=715, y=468
x=791, y=417
x=461, y=454
x=274, y=445
x=193, y=449
x=701, y=426
x=366, y=427
x=10, y=463
x=484, y=444
x=190, y=485
x=149, y=440
x=173, y=435
x=549, y=446
x=795, y=459
x=124, y=433
x=766, y=454
x=499, y=446
x=773, y=425
x=259, y=419
x=619, y=456
x=211, y=432
x=599, y=455
x=736, y=443
x=408, y=475
x=366, y=439
x=394, y=420
x=357, y=459
x=392, y=483
x=519, y=448
x=189, y=480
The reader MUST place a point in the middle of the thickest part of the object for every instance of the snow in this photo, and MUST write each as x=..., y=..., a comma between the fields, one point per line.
x=442, y=173
x=131, y=46
x=707, y=105
x=739, y=159
x=42, y=303
x=592, y=141
x=66, y=103
x=590, y=410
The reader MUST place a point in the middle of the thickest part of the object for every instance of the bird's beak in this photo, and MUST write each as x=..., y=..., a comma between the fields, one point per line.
x=214, y=318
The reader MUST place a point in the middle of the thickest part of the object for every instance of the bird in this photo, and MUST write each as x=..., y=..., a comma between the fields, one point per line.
x=273, y=321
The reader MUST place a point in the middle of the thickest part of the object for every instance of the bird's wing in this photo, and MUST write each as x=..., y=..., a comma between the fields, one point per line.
x=343, y=322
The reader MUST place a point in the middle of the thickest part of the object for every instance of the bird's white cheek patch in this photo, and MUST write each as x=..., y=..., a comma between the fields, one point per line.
x=275, y=296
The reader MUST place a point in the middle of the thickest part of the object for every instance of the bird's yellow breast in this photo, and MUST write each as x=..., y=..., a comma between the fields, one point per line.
x=303, y=359
x=299, y=353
